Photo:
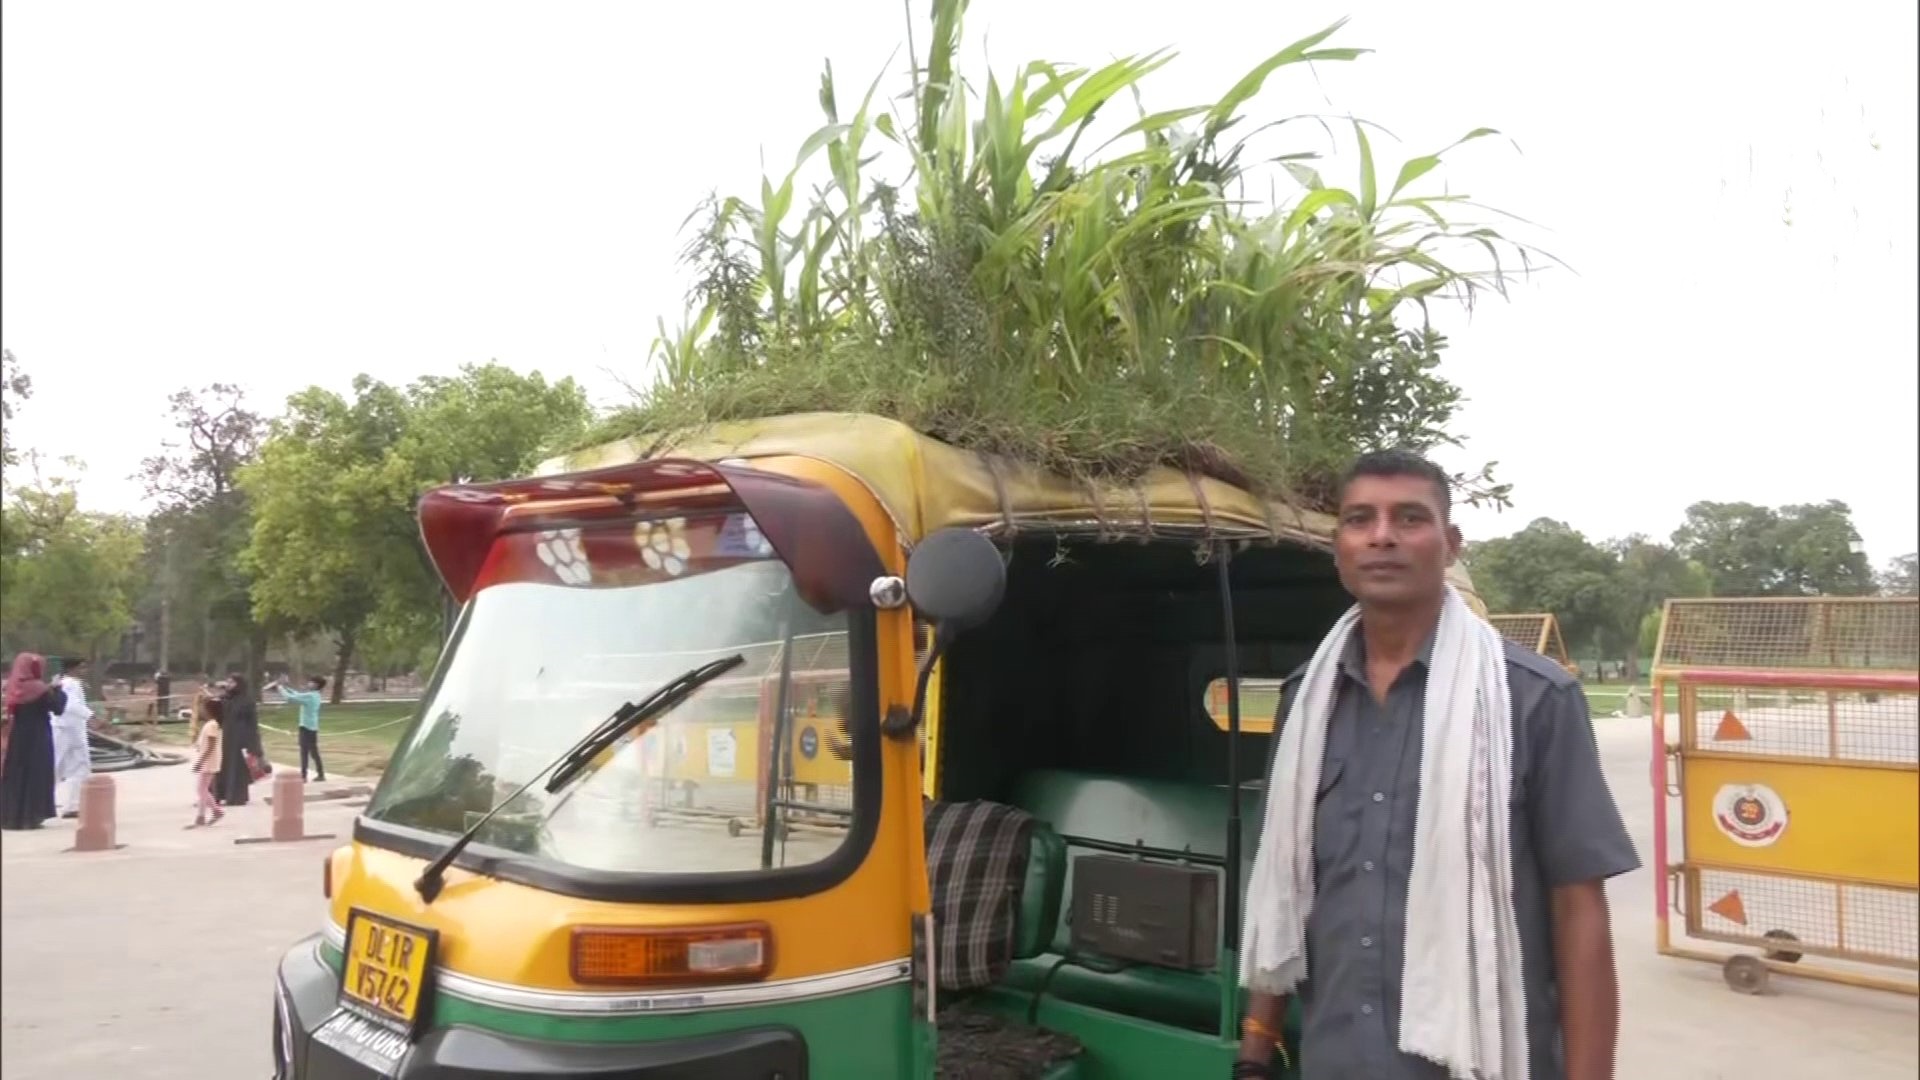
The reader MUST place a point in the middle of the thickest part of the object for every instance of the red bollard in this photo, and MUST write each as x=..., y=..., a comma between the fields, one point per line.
x=289, y=800
x=96, y=831
x=289, y=806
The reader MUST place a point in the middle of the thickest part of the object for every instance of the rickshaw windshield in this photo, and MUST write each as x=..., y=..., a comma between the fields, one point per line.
x=565, y=628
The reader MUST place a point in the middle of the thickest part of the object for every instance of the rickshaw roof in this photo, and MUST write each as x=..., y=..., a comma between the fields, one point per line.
x=925, y=484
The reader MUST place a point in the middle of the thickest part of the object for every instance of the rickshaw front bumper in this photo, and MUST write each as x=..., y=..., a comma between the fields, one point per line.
x=315, y=1039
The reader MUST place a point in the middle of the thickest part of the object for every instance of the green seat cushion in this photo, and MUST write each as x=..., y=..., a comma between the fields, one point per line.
x=1039, y=911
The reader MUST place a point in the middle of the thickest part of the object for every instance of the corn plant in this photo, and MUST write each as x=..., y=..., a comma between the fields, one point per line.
x=984, y=261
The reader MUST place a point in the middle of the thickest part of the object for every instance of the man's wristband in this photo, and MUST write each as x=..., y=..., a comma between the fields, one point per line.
x=1252, y=1027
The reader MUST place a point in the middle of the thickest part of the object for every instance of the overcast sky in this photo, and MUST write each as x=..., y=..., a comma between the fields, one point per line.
x=279, y=195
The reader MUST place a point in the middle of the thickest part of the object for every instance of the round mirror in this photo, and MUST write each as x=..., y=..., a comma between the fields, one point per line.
x=955, y=578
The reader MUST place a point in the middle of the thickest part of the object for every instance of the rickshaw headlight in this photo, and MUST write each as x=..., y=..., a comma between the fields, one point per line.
x=737, y=952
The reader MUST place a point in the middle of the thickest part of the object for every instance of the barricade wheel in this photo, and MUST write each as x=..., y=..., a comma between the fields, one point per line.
x=1746, y=974
x=1784, y=956
x=734, y=827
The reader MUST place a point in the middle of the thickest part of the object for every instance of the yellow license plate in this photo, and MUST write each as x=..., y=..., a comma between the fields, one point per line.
x=387, y=967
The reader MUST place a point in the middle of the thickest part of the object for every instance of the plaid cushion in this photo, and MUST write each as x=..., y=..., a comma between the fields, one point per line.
x=977, y=866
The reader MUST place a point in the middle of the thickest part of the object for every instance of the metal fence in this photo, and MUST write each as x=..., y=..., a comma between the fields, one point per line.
x=1792, y=761
x=1537, y=632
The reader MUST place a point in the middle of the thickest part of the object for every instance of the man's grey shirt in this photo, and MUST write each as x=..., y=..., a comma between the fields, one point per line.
x=1566, y=829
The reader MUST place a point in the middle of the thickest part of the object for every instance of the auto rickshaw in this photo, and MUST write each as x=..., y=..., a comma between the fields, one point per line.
x=973, y=779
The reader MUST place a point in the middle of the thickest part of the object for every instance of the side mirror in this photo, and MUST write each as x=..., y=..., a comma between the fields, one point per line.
x=955, y=580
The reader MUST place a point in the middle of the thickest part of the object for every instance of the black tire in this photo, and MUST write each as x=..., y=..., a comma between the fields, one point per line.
x=1746, y=974
x=1784, y=956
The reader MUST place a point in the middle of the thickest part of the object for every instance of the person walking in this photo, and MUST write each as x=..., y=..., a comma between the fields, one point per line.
x=72, y=756
x=240, y=748
x=26, y=775
x=206, y=764
x=1437, y=830
x=309, y=701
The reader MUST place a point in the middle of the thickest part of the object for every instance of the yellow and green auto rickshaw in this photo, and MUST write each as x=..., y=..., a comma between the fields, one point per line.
x=815, y=747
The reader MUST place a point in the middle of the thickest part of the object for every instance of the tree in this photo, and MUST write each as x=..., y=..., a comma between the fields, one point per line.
x=334, y=545
x=15, y=387
x=1649, y=637
x=1901, y=577
x=70, y=576
x=1550, y=567
x=1648, y=575
x=203, y=521
x=489, y=422
x=329, y=538
x=1801, y=550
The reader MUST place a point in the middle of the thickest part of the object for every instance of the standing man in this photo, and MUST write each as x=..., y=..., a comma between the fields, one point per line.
x=1437, y=831
x=309, y=702
x=72, y=757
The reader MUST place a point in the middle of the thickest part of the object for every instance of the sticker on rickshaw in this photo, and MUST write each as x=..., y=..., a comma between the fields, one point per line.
x=387, y=965
x=1751, y=815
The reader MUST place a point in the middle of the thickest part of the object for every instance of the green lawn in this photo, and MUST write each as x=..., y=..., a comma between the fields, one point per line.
x=356, y=738
x=1608, y=698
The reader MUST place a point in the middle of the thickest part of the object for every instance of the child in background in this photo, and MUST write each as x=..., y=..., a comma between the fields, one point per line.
x=206, y=762
x=309, y=702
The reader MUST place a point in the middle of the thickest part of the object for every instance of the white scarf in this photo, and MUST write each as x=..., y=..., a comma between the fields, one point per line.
x=1462, y=1003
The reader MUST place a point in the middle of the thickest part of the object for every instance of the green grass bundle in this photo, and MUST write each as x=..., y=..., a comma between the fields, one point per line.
x=1094, y=297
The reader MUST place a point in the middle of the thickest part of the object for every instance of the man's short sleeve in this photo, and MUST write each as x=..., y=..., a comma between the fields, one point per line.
x=1577, y=831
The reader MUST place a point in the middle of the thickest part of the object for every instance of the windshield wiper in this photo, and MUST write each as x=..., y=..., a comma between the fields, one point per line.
x=627, y=718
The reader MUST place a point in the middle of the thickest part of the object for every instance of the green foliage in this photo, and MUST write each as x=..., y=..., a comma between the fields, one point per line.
x=1649, y=574
x=1550, y=567
x=1607, y=596
x=202, y=520
x=15, y=387
x=1095, y=299
x=1800, y=550
x=1901, y=577
x=70, y=577
x=334, y=546
x=1649, y=639
x=325, y=544
x=490, y=423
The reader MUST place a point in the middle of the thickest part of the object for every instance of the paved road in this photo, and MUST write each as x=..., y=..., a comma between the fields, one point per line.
x=155, y=961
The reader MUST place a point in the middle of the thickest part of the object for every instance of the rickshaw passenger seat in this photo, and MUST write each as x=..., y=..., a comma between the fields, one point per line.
x=980, y=853
x=995, y=877
x=1169, y=815
x=1039, y=910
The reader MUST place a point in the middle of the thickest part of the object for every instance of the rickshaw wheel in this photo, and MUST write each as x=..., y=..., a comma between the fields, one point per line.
x=1784, y=956
x=733, y=826
x=1746, y=974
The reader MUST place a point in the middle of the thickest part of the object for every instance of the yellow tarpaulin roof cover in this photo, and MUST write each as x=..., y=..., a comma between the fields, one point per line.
x=926, y=484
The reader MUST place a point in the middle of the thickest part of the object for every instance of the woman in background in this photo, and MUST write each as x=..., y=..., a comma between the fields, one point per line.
x=239, y=743
x=26, y=776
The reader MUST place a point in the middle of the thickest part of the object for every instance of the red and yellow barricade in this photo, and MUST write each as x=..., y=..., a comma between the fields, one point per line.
x=1787, y=746
x=722, y=757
